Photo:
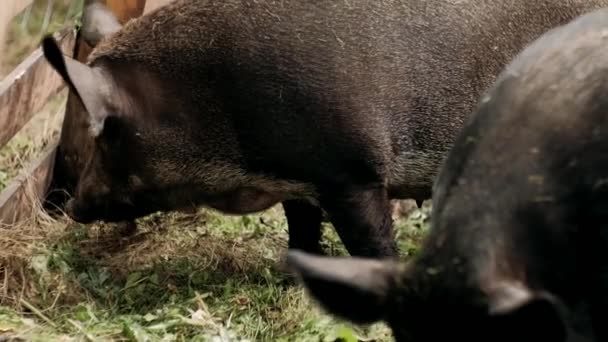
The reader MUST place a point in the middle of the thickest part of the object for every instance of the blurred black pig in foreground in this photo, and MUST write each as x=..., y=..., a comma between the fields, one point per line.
x=240, y=104
x=517, y=250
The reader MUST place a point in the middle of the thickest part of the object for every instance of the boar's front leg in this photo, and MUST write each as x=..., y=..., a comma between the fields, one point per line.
x=304, y=224
x=362, y=218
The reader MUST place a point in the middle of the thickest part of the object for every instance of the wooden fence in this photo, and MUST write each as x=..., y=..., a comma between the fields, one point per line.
x=25, y=91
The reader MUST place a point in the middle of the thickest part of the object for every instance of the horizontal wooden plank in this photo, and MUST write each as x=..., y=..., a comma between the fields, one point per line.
x=27, y=88
x=21, y=198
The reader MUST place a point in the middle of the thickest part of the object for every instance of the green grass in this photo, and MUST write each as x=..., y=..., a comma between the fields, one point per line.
x=179, y=278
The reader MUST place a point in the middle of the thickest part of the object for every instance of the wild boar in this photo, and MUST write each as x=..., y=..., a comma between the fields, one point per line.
x=517, y=249
x=241, y=104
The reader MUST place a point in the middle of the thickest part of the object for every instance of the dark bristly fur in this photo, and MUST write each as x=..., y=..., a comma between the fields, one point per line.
x=518, y=250
x=343, y=105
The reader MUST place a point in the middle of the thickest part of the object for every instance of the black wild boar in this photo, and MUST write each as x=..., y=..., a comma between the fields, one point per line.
x=517, y=250
x=242, y=104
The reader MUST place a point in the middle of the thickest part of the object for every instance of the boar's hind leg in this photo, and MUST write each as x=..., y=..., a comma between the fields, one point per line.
x=304, y=224
x=362, y=218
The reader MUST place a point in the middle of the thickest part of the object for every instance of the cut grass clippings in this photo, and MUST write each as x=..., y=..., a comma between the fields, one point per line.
x=181, y=277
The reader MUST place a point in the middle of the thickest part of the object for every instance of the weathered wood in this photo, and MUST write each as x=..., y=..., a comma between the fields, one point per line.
x=21, y=197
x=19, y=200
x=8, y=10
x=151, y=5
x=75, y=143
x=27, y=88
x=24, y=195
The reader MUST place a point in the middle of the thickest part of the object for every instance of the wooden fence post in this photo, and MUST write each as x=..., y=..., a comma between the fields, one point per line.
x=23, y=92
x=75, y=144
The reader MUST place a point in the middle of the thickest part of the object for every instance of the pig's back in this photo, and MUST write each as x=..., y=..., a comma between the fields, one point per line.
x=388, y=83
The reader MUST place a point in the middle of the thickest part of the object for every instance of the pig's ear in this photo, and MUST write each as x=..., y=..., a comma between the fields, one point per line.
x=98, y=22
x=90, y=84
x=352, y=288
x=521, y=314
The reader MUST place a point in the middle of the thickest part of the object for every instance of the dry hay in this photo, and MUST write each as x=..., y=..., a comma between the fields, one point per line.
x=168, y=237
x=31, y=234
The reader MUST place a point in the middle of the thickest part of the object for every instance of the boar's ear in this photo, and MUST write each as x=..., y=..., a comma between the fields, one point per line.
x=90, y=84
x=98, y=22
x=352, y=288
x=522, y=315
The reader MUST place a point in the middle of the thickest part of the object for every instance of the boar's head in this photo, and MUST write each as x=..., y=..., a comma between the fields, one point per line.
x=138, y=150
x=366, y=291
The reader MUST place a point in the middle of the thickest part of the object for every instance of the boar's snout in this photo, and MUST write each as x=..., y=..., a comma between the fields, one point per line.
x=73, y=212
x=76, y=212
x=108, y=210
